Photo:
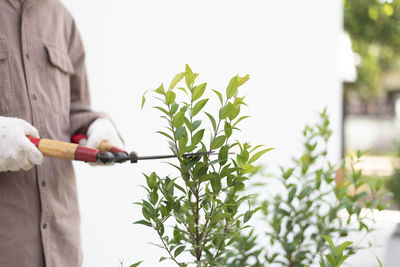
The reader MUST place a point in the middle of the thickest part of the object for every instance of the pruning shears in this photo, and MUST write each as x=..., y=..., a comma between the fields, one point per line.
x=105, y=154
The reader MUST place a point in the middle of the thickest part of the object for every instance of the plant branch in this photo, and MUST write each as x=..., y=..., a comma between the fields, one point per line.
x=167, y=249
x=222, y=241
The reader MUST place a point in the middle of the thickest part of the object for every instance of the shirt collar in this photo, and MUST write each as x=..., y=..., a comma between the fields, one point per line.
x=28, y=3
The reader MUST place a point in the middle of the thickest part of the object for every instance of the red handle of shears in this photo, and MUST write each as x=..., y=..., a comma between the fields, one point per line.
x=104, y=146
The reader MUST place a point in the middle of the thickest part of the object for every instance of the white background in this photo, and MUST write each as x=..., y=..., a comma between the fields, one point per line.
x=289, y=48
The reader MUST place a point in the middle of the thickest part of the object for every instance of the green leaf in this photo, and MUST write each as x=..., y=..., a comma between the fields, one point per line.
x=287, y=173
x=187, y=123
x=342, y=247
x=177, y=234
x=182, y=144
x=146, y=213
x=147, y=206
x=136, y=264
x=170, y=97
x=153, y=197
x=247, y=216
x=170, y=185
x=342, y=259
x=165, y=134
x=215, y=183
x=329, y=240
x=179, y=250
x=234, y=112
x=223, y=155
x=244, y=155
x=199, y=106
x=247, y=168
x=242, y=80
x=306, y=190
x=219, y=96
x=144, y=98
x=239, y=101
x=183, y=89
x=198, y=91
x=292, y=194
x=257, y=155
x=180, y=188
x=189, y=77
x=232, y=88
x=160, y=90
x=197, y=137
x=144, y=222
x=214, y=124
x=152, y=180
x=331, y=260
x=174, y=108
x=240, y=119
x=179, y=132
x=176, y=80
x=379, y=261
x=163, y=110
x=225, y=111
x=163, y=259
x=178, y=119
x=217, y=142
x=195, y=125
x=228, y=129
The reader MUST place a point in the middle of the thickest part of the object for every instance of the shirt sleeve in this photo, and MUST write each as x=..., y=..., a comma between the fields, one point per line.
x=81, y=114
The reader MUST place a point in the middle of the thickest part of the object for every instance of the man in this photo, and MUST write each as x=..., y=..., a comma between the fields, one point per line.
x=43, y=91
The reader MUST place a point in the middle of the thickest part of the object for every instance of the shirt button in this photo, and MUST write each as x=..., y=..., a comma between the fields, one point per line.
x=28, y=56
x=34, y=96
x=44, y=225
x=43, y=183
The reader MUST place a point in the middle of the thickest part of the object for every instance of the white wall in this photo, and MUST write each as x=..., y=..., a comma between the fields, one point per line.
x=288, y=47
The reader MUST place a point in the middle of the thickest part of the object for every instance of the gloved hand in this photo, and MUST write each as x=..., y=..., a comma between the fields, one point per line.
x=16, y=151
x=103, y=130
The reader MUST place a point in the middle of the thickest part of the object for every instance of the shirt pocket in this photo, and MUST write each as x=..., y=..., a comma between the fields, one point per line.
x=59, y=71
x=5, y=78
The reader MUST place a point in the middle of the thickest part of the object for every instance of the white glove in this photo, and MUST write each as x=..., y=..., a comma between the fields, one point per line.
x=16, y=151
x=103, y=130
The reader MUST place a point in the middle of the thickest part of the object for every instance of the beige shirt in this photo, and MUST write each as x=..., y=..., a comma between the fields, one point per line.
x=43, y=81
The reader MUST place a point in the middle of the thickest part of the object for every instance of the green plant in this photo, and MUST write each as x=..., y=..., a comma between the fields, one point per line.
x=393, y=182
x=306, y=208
x=336, y=256
x=393, y=185
x=249, y=250
x=198, y=211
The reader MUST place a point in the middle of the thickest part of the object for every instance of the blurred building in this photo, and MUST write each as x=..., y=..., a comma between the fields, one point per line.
x=374, y=125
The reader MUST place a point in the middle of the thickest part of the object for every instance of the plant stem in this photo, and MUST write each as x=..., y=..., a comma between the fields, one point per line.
x=205, y=228
x=222, y=241
x=198, y=250
x=176, y=144
x=167, y=249
x=218, y=124
x=191, y=121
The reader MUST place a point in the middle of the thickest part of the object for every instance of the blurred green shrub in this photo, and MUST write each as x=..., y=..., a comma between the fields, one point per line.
x=373, y=26
x=393, y=182
x=316, y=202
x=393, y=185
